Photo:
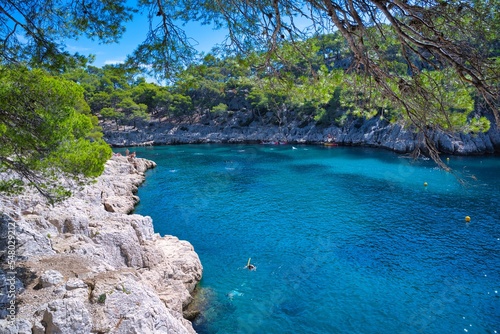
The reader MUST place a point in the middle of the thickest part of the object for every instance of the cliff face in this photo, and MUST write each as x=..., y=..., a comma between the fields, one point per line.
x=87, y=266
x=245, y=127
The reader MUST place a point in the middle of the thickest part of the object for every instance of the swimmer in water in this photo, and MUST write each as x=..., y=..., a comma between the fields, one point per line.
x=250, y=266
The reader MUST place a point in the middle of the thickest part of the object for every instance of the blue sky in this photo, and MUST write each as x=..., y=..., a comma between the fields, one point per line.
x=203, y=38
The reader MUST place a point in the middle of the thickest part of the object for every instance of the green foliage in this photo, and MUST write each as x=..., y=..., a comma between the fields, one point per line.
x=205, y=83
x=148, y=94
x=114, y=93
x=102, y=298
x=270, y=95
x=221, y=107
x=361, y=98
x=428, y=64
x=385, y=41
x=14, y=186
x=132, y=110
x=333, y=110
x=440, y=99
x=47, y=131
x=180, y=104
x=111, y=113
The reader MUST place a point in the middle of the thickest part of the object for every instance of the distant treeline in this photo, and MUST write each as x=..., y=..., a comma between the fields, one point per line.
x=314, y=80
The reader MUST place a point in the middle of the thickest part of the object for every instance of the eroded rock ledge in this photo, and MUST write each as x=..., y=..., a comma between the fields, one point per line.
x=87, y=266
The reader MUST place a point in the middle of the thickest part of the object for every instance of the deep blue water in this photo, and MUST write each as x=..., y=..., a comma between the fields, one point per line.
x=345, y=240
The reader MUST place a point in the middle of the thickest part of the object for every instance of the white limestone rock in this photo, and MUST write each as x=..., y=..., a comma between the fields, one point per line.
x=69, y=315
x=76, y=251
x=18, y=327
x=51, y=278
x=124, y=305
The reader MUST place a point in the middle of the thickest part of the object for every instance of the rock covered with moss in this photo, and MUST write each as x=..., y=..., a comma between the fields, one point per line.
x=88, y=266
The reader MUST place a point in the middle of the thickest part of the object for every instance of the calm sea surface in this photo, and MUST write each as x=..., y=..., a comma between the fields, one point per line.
x=345, y=240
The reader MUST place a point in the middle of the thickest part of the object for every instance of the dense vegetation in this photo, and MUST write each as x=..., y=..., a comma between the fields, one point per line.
x=311, y=81
x=47, y=132
x=427, y=63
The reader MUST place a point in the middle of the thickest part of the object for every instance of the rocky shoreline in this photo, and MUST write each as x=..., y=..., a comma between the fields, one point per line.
x=87, y=265
x=245, y=127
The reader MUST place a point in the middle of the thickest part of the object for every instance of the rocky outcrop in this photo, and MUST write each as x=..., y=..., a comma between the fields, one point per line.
x=245, y=127
x=88, y=266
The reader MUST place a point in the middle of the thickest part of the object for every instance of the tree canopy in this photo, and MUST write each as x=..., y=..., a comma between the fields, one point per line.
x=33, y=32
x=46, y=133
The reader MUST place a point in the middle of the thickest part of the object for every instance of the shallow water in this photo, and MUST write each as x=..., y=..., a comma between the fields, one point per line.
x=345, y=240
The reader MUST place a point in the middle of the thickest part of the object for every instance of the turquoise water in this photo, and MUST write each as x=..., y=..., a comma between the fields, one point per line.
x=345, y=240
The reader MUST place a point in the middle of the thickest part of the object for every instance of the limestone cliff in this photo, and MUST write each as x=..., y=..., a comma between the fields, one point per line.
x=88, y=266
x=246, y=127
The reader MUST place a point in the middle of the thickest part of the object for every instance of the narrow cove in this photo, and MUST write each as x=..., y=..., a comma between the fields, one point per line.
x=345, y=240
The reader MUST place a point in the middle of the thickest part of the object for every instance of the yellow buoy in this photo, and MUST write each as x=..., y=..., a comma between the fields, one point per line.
x=467, y=219
x=425, y=184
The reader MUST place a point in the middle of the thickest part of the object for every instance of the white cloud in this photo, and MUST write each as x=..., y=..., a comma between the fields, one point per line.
x=114, y=61
x=79, y=49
